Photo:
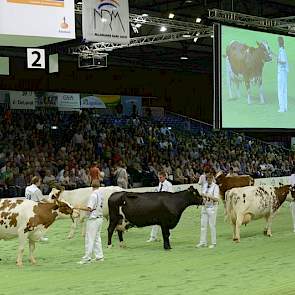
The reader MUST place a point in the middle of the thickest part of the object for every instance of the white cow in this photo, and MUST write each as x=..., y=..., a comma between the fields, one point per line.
x=79, y=198
x=24, y=219
x=246, y=203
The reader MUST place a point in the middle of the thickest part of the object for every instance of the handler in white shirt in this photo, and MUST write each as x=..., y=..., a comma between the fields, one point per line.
x=33, y=192
x=93, y=225
x=210, y=194
x=164, y=186
x=292, y=204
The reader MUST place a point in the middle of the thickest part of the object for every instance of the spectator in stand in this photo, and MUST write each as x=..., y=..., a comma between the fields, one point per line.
x=94, y=172
x=121, y=176
x=231, y=172
x=203, y=178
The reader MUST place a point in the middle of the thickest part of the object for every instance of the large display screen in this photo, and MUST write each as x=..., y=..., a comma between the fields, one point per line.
x=257, y=79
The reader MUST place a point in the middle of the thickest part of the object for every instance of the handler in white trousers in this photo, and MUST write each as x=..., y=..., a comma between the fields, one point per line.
x=164, y=186
x=283, y=70
x=210, y=194
x=292, y=204
x=93, y=225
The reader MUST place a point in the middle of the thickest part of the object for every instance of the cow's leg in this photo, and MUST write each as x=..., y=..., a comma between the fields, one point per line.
x=112, y=225
x=120, y=236
x=73, y=228
x=32, y=249
x=267, y=230
x=247, y=83
x=166, y=235
x=22, y=240
x=261, y=92
x=239, y=222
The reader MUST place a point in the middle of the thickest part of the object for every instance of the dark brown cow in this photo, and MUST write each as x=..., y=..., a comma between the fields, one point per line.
x=227, y=183
x=245, y=63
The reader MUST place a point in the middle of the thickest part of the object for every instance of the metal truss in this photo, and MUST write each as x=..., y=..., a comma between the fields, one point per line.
x=96, y=48
x=185, y=31
x=283, y=24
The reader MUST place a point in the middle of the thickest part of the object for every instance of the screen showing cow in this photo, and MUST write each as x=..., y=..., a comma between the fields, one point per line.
x=258, y=79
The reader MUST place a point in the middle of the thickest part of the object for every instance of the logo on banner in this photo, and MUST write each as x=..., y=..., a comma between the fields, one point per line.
x=107, y=12
x=64, y=26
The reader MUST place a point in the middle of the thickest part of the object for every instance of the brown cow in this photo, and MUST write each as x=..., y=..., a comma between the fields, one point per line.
x=24, y=219
x=227, y=183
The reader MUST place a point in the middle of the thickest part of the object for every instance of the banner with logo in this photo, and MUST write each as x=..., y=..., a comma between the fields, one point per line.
x=31, y=23
x=110, y=101
x=22, y=100
x=91, y=101
x=68, y=100
x=131, y=105
x=106, y=21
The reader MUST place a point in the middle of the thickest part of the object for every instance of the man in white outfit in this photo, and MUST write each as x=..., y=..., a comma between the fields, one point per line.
x=283, y=70
x=210, y=194
x=292, y=204
x=164, y=186
x=93, y=225
x=34, y=193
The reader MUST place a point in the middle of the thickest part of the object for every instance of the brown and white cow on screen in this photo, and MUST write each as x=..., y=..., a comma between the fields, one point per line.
x=245, y=64
x=24, y=219
x=226, y=183
x=250, y=202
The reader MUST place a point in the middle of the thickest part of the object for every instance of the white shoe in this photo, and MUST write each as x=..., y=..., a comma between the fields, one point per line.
x=212, y=246
x=151, y=240
x=201, y=245
x=44, y=239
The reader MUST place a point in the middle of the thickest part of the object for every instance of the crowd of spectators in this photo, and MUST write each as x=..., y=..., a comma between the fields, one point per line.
x=62, y=147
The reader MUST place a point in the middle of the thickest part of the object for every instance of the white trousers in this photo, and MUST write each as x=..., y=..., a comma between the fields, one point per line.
x=93, y=239
x=208, y=216
x=292, y=207
x=154, y=232
x=282, y=90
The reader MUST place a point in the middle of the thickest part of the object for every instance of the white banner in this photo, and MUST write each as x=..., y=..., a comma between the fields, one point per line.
x=22, y=100
x=106, y=21
x=31, y=23
x=68, y=100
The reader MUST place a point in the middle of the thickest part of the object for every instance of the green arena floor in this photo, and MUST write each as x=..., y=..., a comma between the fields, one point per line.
x=258, y=265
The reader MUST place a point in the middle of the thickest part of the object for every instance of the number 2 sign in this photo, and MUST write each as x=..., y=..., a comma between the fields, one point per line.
x=35, y=58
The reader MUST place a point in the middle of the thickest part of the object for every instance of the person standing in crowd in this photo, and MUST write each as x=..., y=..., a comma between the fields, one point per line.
x=164, y=186
x=292, y=204
x=231, y=172
x=121, y=176
x=33, y=192
x=283, y=70
x=94, y=172
x=93, y=226
x=210, y=194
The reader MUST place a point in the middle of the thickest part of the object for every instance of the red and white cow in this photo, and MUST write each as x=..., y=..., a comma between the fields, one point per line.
x=246, y=203
x=79, y=198
x=24, y=219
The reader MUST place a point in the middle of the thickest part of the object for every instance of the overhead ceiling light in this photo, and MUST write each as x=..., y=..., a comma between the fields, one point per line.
x=138, y=25
x=79, y=3
x=212, y=36
x=145, y=15
x=198, y=20
x=163, y=29
x=186, y=35
x=188, y=1
x=184, y=57
x=196, y=39
x=171, y=15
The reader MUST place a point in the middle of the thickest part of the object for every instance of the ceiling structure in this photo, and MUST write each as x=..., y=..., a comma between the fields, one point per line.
x=164, y=53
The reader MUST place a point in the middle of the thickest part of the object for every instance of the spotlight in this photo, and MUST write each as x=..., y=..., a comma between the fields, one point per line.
x=198, y=20
x=186, y=35
x=163, y=29
x=138, y=25
x=171, y=15
x=196, y=39
x=144, y=15
x=184, y=57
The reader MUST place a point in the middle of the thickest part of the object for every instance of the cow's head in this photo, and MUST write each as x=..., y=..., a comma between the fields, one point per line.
x=219, y=177
x=198, y=199
x=65, y=208
x=265, y=50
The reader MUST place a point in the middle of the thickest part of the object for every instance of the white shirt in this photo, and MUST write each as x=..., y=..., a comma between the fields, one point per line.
x=292, y=179
x=165, y=186
x=33, y=193
x=95, y=203
x=211, y=190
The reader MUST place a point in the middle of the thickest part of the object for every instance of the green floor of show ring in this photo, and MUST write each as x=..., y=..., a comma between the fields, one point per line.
x=258, y=265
